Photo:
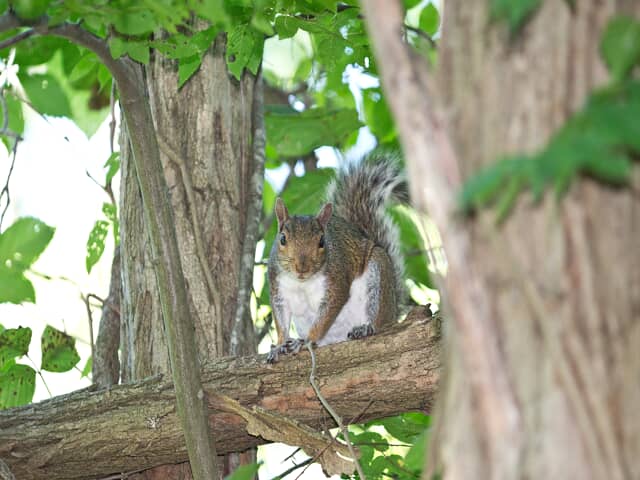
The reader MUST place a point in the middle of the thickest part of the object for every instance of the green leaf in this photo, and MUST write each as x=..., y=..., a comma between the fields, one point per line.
x=86, y=371
x=429, y=20
x=46, y=94
x=404, y=428
x=112, y=165
x=620, y=46
x=514, y=12
x=187, y=67
x=30, y=9
x=244, y=472
x=16, y=117
x=95, y=243
x=268, y=198
x=600, y=141
x=212, y=10
x=414, y=459
x=412, y=246
x=79, y=94
x=295, y=134
x=15, y=288
x=87, y=65
x=377, y=115
x=117, y=47
x=14, y=342
x=408, y=4
x=111, y=212
x=22, y=243
x=286, y=26
x=17, y=384
x=244, y=49
x=59, y=352
x=136, y=22
x=138, y=51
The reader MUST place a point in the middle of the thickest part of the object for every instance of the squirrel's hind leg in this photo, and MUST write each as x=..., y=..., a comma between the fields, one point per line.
x=381, y=301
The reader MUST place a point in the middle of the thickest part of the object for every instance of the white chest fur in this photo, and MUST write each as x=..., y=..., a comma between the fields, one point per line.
x=303, y=299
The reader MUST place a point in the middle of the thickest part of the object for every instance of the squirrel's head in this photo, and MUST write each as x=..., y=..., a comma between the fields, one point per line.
x=301, y=240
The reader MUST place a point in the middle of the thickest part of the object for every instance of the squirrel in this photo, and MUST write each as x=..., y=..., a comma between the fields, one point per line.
x=339, y=275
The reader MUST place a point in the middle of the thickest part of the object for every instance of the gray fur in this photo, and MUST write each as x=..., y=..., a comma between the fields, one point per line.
x=359, y=194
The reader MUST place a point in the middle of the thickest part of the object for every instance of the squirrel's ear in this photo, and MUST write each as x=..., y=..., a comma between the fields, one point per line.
x=325, y=214
x=281, y=211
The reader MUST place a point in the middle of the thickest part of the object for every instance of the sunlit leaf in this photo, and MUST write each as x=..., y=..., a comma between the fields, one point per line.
x=620, y=45
x=112, y=165
x=59, y=352
x=14, y=342
x=15, y=288
x=17, y=385
x=86, y=371
x=295, y=134
x=244, y=49
x=187, y=67
x=244, y=472
x=22, y=243
x=46, y=95
x=429, y=21
x=95, y=243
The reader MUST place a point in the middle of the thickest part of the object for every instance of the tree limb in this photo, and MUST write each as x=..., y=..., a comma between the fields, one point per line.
x=93, y=434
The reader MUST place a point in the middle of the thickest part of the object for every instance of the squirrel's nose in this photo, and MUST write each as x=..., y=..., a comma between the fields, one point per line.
x=302, y=265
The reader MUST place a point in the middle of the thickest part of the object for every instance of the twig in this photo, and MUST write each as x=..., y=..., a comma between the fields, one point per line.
x=314, y=458
x=106, y=188
x=304, y=463
x=17, y=38
x=332, y=412
x=364, y=410
x=39, y=372
x=5, y=190
x=112, y=123
x=85, y=299
x=265, y=329
x=421, y=34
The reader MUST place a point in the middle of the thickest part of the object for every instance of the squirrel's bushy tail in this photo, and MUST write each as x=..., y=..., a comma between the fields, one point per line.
x=359, y=194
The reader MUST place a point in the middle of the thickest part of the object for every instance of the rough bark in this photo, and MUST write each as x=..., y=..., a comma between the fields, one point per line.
x=563, y=277
x=106, y=364
x=208, y=124
x=89, y=433
x=205, y=130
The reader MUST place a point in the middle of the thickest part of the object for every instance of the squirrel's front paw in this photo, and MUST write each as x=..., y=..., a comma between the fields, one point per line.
x=291, y=346
x=361, y=331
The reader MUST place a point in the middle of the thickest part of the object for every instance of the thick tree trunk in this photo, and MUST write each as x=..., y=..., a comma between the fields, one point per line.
x=563, y=276
x=205, y=132
x=92, y=434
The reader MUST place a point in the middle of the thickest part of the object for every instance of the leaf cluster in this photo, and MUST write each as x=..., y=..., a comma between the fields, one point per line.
x=393, y=447
x=600, y=141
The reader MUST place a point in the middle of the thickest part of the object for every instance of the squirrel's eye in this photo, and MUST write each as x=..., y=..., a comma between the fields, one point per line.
x=283, y=239
x=321, y=243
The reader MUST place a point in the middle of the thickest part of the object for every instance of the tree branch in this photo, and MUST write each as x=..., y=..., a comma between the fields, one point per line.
x=89, y=433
